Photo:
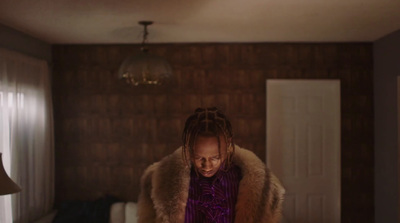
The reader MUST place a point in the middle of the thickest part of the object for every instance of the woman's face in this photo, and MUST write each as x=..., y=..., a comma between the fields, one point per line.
x=207, y=158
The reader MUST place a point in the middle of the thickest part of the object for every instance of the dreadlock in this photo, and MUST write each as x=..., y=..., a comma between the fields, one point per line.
x=209, y=122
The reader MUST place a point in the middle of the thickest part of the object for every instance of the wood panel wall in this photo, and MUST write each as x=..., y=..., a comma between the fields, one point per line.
x=107, y=133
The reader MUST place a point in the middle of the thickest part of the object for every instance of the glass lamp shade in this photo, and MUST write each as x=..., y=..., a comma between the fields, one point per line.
x=7, y=186
x=145, y=69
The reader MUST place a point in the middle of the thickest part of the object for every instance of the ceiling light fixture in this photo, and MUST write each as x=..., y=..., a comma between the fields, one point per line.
x=145, y=68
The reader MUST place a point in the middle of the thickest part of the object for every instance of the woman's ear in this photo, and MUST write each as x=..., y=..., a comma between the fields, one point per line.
x=229, y=143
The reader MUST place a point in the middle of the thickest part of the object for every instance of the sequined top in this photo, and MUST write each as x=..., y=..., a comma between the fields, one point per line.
x=213, y=199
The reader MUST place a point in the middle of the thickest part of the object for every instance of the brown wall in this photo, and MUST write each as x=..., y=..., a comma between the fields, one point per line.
x=387, y=151
x=107, y=132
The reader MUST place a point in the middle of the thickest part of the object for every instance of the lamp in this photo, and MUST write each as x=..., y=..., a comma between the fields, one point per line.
x=145, y=68
x=7, y=186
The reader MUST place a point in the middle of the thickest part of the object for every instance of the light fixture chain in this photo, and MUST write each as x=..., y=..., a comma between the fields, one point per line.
x=145, y=34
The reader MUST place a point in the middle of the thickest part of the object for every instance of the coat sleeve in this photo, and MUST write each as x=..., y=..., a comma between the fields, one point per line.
x=146, y=212
x=276, y=195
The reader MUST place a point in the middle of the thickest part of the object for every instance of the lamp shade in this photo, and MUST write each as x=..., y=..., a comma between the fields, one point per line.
x=7, y=186
x=145, y=69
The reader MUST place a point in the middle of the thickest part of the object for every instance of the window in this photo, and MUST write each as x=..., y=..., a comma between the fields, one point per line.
x=26, y=136
x=8, y=99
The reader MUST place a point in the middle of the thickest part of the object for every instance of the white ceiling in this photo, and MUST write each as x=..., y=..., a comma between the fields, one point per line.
x=178, y=21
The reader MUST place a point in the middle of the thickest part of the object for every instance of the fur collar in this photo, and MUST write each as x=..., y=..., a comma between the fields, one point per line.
x=170, y=184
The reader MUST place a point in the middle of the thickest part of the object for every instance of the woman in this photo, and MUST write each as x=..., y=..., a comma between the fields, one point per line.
x=209, y=179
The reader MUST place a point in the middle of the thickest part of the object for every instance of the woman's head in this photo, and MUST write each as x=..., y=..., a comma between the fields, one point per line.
x=207, y=141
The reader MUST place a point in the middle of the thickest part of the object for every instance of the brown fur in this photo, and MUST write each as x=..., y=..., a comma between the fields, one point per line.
x=165, y=185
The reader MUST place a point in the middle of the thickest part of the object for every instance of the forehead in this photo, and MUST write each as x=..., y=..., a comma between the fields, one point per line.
x=208, y=145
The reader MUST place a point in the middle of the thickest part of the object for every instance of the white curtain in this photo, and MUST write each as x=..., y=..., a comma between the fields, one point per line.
x=26, y=136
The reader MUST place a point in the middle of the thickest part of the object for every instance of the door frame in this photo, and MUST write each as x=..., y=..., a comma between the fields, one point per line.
x=398, y=141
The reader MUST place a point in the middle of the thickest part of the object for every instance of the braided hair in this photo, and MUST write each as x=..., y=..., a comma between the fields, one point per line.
x=208, y=122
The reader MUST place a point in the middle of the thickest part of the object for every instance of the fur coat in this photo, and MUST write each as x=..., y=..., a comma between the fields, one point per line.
x=165, y=186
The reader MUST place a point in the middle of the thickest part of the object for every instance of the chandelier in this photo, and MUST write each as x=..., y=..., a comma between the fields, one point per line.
x=145, y=68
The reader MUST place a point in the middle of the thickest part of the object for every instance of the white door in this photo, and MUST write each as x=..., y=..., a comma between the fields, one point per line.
x=303, y=147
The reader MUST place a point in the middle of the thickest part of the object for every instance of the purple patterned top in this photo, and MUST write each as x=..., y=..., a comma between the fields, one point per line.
x=213, y=199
